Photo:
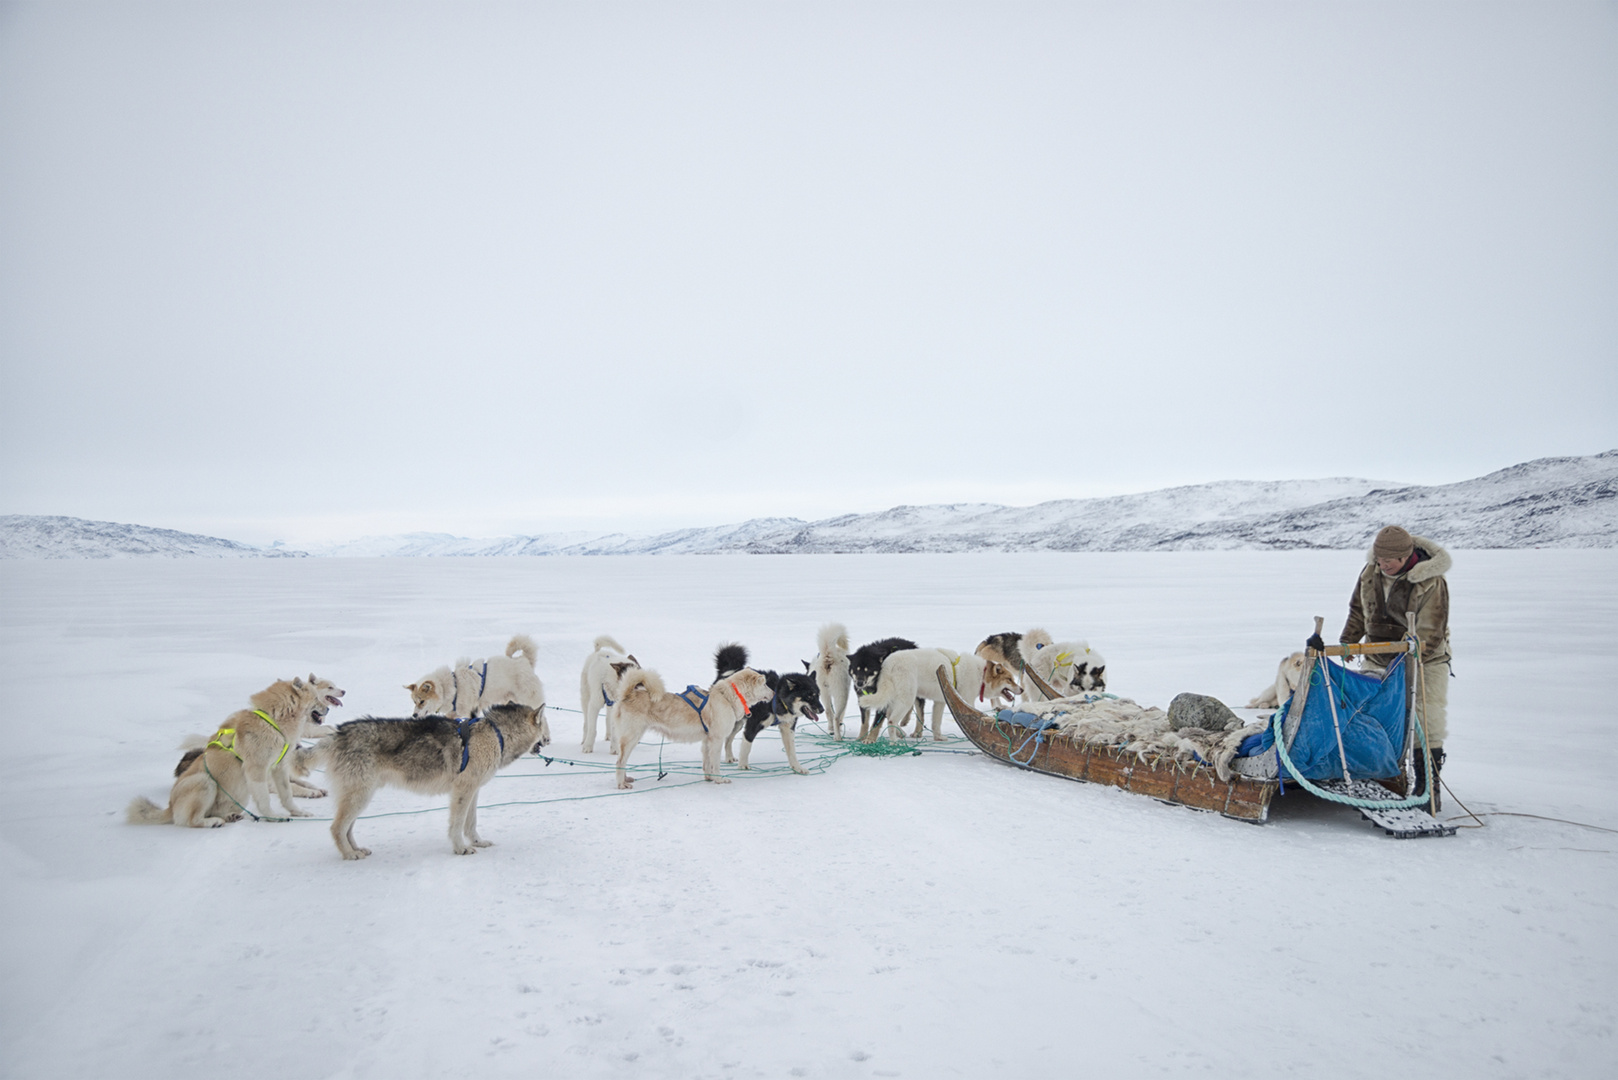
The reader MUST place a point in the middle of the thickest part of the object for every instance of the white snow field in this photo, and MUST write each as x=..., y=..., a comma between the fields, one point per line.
x=920, y=916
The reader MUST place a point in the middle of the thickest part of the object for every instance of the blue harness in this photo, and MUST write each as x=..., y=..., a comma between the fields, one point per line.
x=684, y=696
x=464, y=729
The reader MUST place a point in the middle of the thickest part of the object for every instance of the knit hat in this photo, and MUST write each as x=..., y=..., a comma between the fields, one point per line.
x=1393, y=543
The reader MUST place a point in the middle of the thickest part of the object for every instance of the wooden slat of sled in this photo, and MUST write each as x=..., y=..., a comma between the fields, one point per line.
x=1195, y=786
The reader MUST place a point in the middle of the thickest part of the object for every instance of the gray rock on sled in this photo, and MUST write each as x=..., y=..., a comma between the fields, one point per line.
x=1201, y=711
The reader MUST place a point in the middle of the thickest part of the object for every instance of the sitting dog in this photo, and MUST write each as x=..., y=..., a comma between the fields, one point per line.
x=1070, y=667
x=247, y=754
x=1288, y=674
x=909, y=678
x=865, y=666
x=695, y=716
x=471, y=687
x=791, y=696
x=433, y=755
x=313, y=728
x=830, y=668
x=598, y=689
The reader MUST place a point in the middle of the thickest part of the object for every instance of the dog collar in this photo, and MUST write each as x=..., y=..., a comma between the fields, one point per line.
x=746, y=708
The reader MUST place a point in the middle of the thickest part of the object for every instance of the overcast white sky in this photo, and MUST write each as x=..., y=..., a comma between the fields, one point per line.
x=309, y=271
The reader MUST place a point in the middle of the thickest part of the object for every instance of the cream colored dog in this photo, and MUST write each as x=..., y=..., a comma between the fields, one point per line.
x=598, y=689
x=252, y=750
x=1069, y=667
x=1288, y=674
x=708, y=718
x=471, y=687
x=909, y=679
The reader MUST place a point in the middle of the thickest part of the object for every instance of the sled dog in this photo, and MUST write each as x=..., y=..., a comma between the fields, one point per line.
x=701, y=716
x=470, y=687
x=313, y=728
x=792, y=696
x=831, y=671
x=1004, y=649
x=909, y=679
x=248, y=753
x=864, y=666
x=1070, y=667
x=1288, y=674
x=432, y=755
x=598, y=689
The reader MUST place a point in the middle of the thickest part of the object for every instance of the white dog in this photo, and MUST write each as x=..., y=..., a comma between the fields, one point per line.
x=1288, y=674
x=1070, y=667
x=832, y=677
x=910, y=677
x=472, y=687
x=707, y=717
x=598, y=689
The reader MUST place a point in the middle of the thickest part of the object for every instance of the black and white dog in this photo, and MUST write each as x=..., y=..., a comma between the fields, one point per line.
x=865, y=665
x=792, y=695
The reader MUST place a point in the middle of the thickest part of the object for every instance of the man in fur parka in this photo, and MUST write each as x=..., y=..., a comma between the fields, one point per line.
x=1405, y=573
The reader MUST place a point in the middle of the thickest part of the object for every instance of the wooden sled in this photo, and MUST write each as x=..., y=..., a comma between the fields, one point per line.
x=1196, y=786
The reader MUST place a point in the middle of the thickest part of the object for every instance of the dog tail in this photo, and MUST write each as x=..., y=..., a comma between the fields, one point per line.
x=728, y=659
x=832, y=636
x=640, y=681
x=143, y=811
x=524, y=645
x=605, y=641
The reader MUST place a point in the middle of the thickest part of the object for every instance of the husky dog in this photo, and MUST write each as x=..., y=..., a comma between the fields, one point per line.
x=598, y=689
x=473, y=686
x=432, y=755
x=695, y=716
x=864, y=666
x=247, y=754
x=791, y=696
x=313, y=728
x=1004, y=649
x=909, y=679
x=831, y=671
x=1070, y=667
x=1288, y=674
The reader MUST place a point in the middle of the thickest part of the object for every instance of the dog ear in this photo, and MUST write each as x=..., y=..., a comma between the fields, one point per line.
x=425, y=686
x=807, y=667
x=297, y=683
x=621, y=668
x=633, y=660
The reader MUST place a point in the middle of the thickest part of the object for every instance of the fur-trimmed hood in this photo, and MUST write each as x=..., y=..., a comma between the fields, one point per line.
x=1436, y=564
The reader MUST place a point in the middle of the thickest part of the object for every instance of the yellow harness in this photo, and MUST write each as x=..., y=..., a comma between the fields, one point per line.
x=955, y=672
x=225, y=738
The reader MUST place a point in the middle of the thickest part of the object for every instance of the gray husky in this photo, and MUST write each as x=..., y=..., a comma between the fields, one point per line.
x=433, y=755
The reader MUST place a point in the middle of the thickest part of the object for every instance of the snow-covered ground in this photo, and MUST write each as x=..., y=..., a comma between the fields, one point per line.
x=940, y=915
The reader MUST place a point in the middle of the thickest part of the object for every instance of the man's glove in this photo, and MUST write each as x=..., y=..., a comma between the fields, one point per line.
x=1315, y=643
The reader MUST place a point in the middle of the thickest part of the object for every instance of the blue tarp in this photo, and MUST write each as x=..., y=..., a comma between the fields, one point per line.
x=1370, y=711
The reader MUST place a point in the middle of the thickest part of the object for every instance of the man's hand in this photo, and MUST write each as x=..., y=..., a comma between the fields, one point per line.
x=1315, y=643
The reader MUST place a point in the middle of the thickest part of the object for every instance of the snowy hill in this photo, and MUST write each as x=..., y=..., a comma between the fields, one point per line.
x=27, y=537
x=1551, y=502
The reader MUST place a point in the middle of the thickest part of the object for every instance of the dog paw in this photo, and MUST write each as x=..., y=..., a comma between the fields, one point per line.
x=718, y=779
x=466, y=851
x=357, y=854
x=800, y=770
x=483, y=843
x=300, y=813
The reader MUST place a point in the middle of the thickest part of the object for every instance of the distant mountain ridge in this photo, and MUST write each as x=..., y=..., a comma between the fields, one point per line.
x=1569, y=502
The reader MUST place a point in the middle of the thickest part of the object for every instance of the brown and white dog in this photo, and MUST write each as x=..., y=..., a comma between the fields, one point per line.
x=706, y=717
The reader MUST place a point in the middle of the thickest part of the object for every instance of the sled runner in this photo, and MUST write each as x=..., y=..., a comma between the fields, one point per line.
x=1044, y=749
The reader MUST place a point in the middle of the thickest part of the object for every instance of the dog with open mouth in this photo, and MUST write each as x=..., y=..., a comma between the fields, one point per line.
x=252, y=750
x=909, y=679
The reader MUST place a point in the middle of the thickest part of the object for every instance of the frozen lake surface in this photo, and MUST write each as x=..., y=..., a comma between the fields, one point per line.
x=940, y=915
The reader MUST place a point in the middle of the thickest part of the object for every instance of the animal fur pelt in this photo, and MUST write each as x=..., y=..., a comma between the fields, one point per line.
x=830, y=668
x=1122, y=724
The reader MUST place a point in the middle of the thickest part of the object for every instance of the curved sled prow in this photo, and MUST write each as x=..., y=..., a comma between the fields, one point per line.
x=959, y=707
x=1040, y=684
